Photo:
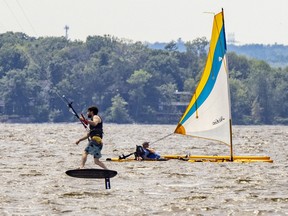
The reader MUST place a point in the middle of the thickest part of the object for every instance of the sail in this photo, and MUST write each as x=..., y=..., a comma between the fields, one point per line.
x=208, y=114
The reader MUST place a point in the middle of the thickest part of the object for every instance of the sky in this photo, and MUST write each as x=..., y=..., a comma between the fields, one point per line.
x=247, y=21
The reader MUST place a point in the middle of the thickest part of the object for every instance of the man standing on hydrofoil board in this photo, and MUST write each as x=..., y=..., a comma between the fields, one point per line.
x=94, y=137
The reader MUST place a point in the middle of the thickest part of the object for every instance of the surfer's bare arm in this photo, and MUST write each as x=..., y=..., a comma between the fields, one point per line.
x=83, y=138
x=96, y=120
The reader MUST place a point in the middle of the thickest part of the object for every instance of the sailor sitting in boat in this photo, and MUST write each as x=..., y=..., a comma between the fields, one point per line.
x=145, y=153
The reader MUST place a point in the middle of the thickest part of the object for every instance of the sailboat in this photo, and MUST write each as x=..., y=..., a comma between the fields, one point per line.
x=208, y=114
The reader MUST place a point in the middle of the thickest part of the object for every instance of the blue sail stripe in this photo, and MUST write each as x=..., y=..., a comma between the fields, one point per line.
x=216, y=64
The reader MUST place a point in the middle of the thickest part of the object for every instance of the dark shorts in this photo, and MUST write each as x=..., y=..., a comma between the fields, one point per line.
x=94, y=149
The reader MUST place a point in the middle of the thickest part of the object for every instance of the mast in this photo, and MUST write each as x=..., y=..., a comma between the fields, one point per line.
x=229, y=96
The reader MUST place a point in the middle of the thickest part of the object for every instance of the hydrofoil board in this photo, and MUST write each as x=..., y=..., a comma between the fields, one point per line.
x=91, y=173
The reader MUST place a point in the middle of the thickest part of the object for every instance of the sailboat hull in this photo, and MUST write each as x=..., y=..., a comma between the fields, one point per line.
x=203, y=158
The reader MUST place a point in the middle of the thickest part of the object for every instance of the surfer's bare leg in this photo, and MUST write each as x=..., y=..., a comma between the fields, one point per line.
x=99, y=163
x=83, y=160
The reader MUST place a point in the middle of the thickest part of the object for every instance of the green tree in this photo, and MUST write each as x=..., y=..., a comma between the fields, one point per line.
x=118, y=113
x=16, y=93
x=171, y=46
x=12, y=58
x=257, y=112
x=138, y=80
x=280, y=96
x=240, y=103
x=260, y=90
x=239, y=66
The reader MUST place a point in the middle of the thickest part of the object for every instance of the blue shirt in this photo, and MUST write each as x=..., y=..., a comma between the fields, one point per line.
x=150, y=155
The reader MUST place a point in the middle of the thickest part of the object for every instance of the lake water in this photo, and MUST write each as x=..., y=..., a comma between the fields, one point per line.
x=34, y=158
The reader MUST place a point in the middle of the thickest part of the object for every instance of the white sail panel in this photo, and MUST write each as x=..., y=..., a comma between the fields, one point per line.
x=211, y=120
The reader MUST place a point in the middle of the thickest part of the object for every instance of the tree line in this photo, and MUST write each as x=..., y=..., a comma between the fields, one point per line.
x=128, y=81
x=276, y=54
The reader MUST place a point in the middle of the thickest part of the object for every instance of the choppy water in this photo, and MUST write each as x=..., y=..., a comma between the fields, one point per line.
x=34, y=158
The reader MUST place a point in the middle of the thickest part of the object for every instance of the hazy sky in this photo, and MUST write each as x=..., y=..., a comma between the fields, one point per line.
x=251, y=21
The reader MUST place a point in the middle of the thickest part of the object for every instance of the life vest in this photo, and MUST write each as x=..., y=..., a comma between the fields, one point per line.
x=140, y=152
x=96, y=130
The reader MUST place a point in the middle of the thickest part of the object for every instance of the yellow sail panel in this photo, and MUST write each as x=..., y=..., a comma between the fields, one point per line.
x=208, y=112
